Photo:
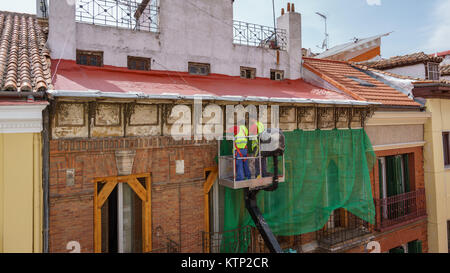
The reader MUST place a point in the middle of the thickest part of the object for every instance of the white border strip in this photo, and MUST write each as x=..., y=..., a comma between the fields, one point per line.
x=137, y=95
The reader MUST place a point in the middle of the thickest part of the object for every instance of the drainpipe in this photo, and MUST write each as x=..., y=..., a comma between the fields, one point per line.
x=18, y=95
x=45, y=176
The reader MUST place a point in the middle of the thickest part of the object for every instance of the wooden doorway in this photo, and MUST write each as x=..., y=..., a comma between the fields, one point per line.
x=109, y=191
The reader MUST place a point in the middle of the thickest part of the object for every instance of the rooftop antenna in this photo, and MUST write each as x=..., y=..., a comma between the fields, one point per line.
x=274, y=23
x=325, y=41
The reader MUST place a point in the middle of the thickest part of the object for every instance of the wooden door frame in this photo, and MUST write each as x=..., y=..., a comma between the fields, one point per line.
x=209, y=182
x=143, y=193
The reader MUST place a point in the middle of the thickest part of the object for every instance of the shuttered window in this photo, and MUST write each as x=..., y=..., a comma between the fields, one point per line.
x=91, y=58
x=138, y=63
x=446, y=147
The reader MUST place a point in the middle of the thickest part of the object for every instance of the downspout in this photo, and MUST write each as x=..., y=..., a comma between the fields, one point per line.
x=18, y=95
x=45, y=176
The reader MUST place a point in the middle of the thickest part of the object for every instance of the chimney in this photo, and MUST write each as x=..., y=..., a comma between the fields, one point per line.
x=62, y=29
x=291, y=21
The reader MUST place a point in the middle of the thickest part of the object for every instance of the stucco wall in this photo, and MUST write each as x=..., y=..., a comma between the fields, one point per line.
x=416, y=71
x=395, y=134
x=437, y=178
x=200, y=33
x=20, y=193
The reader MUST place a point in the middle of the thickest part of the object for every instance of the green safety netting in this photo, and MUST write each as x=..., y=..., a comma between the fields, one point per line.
x=325, y=171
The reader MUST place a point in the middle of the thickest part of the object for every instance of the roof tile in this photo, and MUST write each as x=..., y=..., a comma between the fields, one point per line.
x=24, y=57
x=377, y=91
x=445, y=70
x=402, y=61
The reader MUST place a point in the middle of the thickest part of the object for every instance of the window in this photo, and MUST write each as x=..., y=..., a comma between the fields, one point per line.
x=448, y=235
x=361, y=81
x=92, y=58
x=276, y=75
x=433, y=71
x=414, y=247
x=248, y=72
x=446, y=147
x=394, y=173
x=138, y=63
x=199, y=69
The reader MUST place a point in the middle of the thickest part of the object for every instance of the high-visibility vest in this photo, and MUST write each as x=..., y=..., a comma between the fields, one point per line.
x=241, y=137
x=260, y=127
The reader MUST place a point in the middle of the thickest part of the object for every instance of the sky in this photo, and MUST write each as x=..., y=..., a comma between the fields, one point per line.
x=417, y=25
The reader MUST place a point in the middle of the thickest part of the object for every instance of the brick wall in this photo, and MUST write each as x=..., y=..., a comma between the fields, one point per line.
x=398, y=237
x=410, y=232
x=177, y=199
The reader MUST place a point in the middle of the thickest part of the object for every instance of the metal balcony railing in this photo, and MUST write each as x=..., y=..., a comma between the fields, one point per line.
x=140, y=15
x=342, y=230
x=166, y=246
x=260, y=36
x=246, y=240
x=400, y=209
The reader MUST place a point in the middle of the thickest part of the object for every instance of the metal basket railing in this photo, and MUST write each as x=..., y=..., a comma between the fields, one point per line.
x=119, y=13
x=260, y=36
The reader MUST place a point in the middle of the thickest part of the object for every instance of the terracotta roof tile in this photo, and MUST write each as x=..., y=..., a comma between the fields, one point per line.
x=402, y=61
x=24, y=57
x=415, y=80
x=341, y=73
x=445, y=70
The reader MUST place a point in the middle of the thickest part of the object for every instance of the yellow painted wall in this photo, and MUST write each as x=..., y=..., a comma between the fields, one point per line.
x=20, y=193
x=437, y=178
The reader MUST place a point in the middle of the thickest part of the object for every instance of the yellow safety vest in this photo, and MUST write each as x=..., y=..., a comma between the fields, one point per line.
x=260, y=130
x=241, y=138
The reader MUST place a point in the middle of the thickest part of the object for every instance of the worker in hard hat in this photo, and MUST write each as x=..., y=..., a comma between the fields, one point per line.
x=256, y=128
x=240, y=151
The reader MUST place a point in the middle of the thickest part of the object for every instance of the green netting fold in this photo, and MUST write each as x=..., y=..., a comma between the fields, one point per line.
x=325, y=171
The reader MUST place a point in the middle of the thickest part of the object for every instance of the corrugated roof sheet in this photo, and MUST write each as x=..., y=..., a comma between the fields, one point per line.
x=121, y=81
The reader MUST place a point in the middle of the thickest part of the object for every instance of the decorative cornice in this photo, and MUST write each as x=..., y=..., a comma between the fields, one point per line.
x=21, y=118
x=398, y=118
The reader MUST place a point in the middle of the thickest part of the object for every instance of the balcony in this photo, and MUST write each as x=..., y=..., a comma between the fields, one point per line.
x=401, y=209
x=141, y=15
x=259, y=36
x=343, y=230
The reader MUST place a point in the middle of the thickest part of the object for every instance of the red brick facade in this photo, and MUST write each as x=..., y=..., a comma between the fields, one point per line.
x=410, y=231
x=177, y=200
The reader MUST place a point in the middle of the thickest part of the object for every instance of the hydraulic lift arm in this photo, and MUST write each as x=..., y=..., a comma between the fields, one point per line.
x=255, y=213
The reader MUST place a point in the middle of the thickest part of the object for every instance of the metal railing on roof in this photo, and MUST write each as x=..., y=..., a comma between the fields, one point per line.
x=260, y=36
x=128, y=14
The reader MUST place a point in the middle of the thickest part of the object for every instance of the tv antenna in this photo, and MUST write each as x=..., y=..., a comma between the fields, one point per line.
x=325, y=41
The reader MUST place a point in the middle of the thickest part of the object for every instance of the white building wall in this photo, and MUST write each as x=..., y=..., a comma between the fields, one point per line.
x=190, y=31
x=416, y=71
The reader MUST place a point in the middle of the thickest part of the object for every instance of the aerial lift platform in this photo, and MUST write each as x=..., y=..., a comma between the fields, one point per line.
x=272, y=144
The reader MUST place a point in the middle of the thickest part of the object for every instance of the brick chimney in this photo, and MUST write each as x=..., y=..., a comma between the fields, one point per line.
x=291, y=21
